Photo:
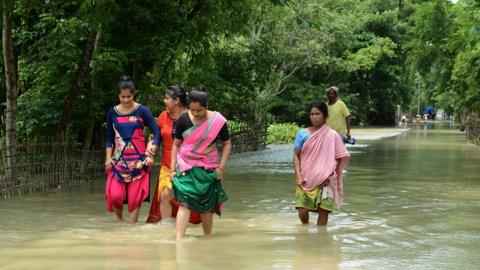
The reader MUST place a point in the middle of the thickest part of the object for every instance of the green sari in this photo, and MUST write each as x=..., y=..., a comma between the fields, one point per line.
x=199, y=190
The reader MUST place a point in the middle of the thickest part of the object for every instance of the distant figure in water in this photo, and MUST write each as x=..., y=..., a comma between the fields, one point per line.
x=128, y=160
x=404, y=121
x=319, y=159
x=339, y=119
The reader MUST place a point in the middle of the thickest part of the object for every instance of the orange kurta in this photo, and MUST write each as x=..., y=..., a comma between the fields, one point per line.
x=165, y=123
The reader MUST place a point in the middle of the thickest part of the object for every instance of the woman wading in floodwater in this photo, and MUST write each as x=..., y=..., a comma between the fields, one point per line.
x=128, y=160
x=319, y=159
x=196, y=173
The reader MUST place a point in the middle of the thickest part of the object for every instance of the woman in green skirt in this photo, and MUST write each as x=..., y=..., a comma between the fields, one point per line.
x=196, y=174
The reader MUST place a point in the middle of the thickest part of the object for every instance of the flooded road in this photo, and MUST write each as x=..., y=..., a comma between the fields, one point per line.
x=411, y=202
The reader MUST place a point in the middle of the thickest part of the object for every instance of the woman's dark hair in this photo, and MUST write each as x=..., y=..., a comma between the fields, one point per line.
x=126, y=83
x=199, y=95
x=319, y=105
x=175, y=91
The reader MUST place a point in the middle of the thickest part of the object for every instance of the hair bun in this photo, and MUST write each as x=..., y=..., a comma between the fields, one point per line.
x=125, y=78
x=201, y=88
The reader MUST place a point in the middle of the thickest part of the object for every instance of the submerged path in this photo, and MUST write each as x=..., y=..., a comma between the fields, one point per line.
x=412, y=202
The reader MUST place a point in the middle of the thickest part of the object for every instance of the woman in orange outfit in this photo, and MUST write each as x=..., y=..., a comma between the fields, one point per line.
x=162, y=206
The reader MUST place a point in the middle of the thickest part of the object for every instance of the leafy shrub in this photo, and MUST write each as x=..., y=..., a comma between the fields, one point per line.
x=282, y=133
x=236, y=125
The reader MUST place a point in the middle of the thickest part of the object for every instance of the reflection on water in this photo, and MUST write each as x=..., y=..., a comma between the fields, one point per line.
x=412, y=202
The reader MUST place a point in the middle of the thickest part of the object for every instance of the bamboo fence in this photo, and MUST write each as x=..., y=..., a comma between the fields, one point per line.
x=45, y=165
x=49, y=164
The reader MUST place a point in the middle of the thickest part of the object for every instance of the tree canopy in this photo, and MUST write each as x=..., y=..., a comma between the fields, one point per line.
x=261, y=60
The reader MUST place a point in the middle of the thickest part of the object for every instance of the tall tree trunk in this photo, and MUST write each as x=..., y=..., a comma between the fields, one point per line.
x=11, y=90
x=87, y=142
x=78, y=83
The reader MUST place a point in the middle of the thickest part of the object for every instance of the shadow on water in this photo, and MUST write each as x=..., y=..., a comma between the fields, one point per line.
x=412, y=202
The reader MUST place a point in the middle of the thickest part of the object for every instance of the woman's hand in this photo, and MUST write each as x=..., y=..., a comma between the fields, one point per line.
x=325, y=183
x=219, y=171
x=108, y=163
x=173, y=174
x=151, y=149
x=299, y=180
x=149, y=161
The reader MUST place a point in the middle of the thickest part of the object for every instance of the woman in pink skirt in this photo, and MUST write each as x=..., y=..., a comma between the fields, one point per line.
x=128, y=161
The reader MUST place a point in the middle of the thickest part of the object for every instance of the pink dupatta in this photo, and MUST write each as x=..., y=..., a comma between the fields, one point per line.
x=198, y=148
x=318, y=163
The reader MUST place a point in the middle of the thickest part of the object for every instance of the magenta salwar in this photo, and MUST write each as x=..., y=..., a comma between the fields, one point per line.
x=128, y=178
x=134, y=192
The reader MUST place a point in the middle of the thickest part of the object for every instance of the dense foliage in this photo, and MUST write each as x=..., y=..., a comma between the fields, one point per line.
x=262, y=60
x=282, y=133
